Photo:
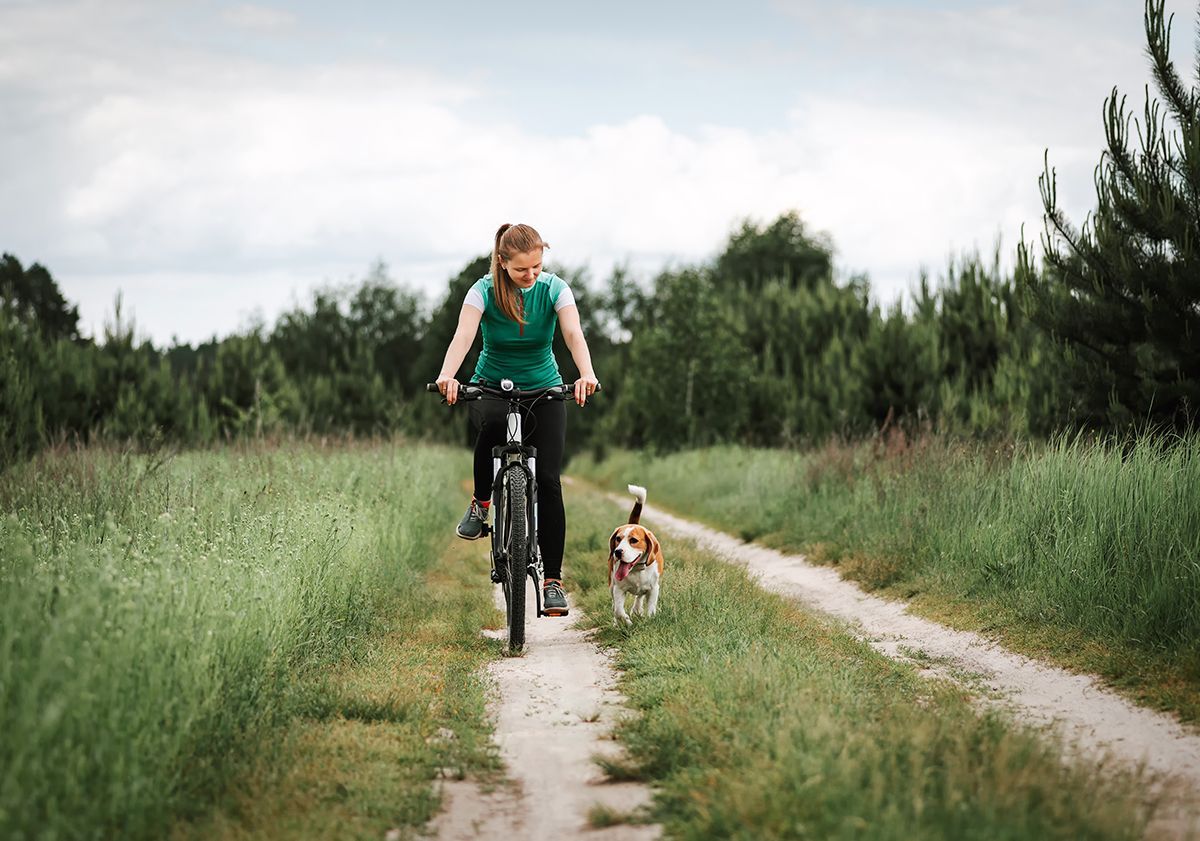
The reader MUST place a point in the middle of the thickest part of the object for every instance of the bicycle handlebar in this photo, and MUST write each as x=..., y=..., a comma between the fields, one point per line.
x=477, y=391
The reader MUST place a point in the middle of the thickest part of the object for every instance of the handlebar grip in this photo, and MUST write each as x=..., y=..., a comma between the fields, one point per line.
x=432, y=387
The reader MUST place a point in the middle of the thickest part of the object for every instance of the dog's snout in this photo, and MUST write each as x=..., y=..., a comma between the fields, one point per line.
x=618, y=552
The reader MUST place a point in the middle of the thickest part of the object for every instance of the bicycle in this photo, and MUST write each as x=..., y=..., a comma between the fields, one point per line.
x=515, y=554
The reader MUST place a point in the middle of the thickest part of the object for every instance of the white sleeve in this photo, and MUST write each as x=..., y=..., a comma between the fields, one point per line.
x=474, y=299
x=566, y=298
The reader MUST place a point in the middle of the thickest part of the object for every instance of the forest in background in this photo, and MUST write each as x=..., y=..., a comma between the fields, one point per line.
x=762, y=345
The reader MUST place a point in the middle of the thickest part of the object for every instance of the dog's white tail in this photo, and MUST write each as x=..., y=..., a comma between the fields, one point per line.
x=639, y=493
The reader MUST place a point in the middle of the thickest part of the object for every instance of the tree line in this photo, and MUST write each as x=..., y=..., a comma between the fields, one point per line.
x=762, y=345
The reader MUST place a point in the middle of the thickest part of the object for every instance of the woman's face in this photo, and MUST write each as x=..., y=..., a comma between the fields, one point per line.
x=524, y=267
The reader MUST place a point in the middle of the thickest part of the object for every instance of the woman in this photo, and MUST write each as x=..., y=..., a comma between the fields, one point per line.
x=517, y=305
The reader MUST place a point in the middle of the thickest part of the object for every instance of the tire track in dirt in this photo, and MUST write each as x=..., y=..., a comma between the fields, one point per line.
x=554, y=708
x=1092, y=718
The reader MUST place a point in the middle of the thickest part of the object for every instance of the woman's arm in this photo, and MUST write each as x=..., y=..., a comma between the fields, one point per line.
x=464, y=335
x=568, y=322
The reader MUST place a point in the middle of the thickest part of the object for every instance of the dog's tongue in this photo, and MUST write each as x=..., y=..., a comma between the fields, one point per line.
x=623, y=570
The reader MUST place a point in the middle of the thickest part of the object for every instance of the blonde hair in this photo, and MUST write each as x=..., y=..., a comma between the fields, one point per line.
x=510, y=241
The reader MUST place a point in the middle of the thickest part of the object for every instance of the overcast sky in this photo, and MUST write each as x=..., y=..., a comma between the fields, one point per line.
x=216, y=160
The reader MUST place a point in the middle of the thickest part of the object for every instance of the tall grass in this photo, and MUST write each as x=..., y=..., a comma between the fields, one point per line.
x=1100, y=539
x=155, y=613
x=359, y=760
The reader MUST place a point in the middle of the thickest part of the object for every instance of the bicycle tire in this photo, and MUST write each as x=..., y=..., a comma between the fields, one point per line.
x=517, y=544
x=499, y=541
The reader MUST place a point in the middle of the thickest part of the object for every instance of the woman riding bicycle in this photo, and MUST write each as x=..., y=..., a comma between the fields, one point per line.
x=517, y=305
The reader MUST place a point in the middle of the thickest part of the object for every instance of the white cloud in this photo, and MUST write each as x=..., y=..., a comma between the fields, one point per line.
x=258, y=18
x=207, y=186
x=327, y=173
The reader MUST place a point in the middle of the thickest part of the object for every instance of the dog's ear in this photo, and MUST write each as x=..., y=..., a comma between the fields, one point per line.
x=655, y=550
x=613, y=541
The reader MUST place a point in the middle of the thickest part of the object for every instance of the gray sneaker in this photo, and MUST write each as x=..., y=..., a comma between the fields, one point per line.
x=554, y=600
x=471, y=526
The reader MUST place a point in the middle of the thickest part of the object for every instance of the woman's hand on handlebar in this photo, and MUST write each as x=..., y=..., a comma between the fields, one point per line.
x=448, y=386
x=584, y=388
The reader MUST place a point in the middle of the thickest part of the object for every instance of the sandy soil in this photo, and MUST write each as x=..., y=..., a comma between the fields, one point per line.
x=554, y=709
x=1091, y=718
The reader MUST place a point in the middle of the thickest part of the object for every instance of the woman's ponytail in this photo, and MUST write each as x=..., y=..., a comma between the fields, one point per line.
x=511, y=239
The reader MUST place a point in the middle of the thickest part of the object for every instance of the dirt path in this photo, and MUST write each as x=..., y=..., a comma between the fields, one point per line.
x=1091, y=717
x=554, y=709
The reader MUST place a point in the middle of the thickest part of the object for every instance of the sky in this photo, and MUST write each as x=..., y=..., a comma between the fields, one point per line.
x=214, y=162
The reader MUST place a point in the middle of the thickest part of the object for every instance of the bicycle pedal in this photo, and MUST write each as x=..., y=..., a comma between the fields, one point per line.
x=497, y=578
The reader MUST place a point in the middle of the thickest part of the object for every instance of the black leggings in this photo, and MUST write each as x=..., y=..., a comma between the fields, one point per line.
x=545, y=427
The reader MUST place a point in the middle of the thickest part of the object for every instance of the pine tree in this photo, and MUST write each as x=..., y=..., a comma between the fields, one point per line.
x=34, y=297
x=784, y=250
x=1123, y=291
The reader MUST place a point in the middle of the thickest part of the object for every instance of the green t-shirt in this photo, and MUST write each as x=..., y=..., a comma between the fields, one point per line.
x=521, y=353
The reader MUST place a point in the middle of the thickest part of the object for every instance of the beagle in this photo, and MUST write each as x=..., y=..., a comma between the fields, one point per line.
x=635, y=564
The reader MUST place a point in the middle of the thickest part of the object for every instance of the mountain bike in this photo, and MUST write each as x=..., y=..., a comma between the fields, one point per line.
x=515, y=554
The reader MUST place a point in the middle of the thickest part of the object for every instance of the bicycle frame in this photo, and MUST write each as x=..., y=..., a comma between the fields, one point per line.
x=514, y=463
x=515, y=451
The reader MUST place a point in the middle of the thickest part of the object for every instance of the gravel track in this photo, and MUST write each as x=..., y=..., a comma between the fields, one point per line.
x=554, y=708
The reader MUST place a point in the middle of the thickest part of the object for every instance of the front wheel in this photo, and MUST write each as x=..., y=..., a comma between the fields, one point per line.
x=516, y=543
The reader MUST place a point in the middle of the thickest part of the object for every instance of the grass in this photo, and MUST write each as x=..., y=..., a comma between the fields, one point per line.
x=1085, y=554
x=758, y=719
x=406, y=708
x=601, y=816
x=271, y=643
x=163, y=621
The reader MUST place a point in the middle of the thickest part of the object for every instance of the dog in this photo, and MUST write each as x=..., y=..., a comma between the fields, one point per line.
x=635, y=564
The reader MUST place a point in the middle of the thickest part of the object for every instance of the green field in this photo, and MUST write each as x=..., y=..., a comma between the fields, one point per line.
x=163, y=621
x=282, y=642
